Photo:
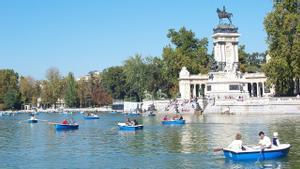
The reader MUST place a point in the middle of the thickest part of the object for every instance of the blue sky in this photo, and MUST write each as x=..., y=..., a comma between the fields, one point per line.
x=85, y=35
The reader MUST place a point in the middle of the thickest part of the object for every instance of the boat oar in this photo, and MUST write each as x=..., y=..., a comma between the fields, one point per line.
x=217, y=149
x=42, y=120
x=51, y=123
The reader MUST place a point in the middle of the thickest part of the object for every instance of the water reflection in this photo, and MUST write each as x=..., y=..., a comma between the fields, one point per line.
x=100, y=144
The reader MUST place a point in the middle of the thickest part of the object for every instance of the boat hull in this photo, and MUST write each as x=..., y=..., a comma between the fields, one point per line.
x=66, y=126
x=130, y=128
x=266, y=154
x=90, y=117
x=32, y=121
x=173, y=122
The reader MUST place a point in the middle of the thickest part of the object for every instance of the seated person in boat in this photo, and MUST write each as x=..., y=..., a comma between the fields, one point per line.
x=65, y=121
x=134, y=122
x=237, y=144
x=32, y=117
x=180, y=118
x=176, y=117
x=275, y=139
x=128, y=121
x=264, y=141
x=166, y=118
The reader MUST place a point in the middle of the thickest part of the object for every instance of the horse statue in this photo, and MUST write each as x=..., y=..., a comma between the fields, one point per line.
x=224, y=14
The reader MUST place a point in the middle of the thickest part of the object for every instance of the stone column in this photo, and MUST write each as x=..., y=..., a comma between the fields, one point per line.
x=253, y=95
x=258, y=89
x=223, y=53
x=194, y=91
x=263, y=88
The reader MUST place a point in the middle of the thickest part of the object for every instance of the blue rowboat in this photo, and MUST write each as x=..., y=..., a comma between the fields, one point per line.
x=32, y=120
x=173, y=122
x=124, y=126
x=91, y=117
x=66, y=126
x=257, y=154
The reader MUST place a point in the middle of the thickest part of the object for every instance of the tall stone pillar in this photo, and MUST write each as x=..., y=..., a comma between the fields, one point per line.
x=258, y=89
x=263, y=89
x=194, y=91
x=226, y=38
x=252, y=90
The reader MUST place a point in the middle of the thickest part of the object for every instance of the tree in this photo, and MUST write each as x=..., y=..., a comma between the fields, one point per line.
x=188, y=51
x=12, y=99
x=83, y=93
x=283, y=30
x=281, y=73
x=97, y=93
x=52, y=87
x=70, y=93
x=157, y=84
x=250, y=62
x=114, y=81
x=27, y=87
x=242, y=58
x=8, y=87
x=136, y=77
x=36, y=92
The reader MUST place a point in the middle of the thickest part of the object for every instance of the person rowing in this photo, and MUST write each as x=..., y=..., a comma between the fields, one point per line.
x=264, y=141
x=128, y=121
x=166, y=118
x=134, y=122
x=32, y=117
x=235, y=145
x=65, y=121
x=176, y=117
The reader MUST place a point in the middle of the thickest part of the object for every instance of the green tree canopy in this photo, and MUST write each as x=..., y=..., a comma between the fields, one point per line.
x=52, y=88
x=186, y=50
x=114, y=81
x=27, y=89
x=282, y=25
x=12, y=99
x=70, y=93
x=157, y=85
x=250, y=62
x=135, y=71
x=9, y=87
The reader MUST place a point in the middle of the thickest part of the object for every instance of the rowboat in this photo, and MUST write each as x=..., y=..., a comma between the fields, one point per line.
x=166, y=122
x=32, y=120
x=66, y=126
x=91, y=117
x=124, y=126
x=256, y=153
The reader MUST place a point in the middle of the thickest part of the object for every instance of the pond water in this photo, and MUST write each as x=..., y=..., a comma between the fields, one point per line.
x=100, y=144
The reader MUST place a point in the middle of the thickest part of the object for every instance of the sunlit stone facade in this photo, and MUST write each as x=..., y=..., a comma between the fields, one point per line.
x=225, y=80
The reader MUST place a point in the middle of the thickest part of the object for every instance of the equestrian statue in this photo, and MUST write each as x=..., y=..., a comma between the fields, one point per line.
x=223, y=14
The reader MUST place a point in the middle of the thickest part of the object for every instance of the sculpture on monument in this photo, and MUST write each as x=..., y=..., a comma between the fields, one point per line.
x=223, y=14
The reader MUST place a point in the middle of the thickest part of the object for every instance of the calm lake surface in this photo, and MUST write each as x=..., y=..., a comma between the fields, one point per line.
x=100, y=144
